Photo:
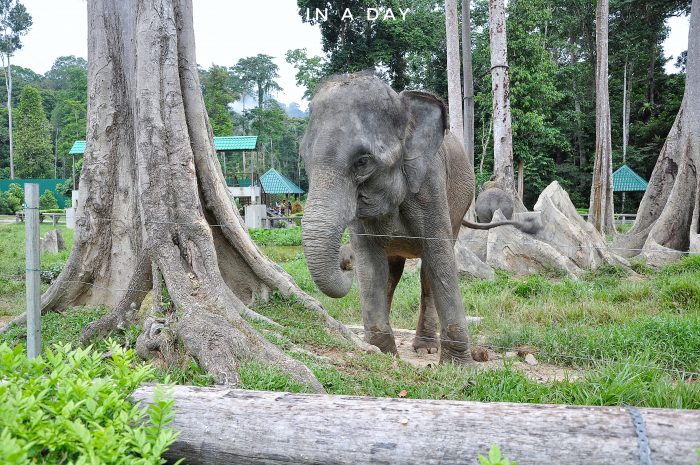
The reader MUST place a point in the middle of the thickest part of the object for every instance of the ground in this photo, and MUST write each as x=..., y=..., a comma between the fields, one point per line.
x=609, y=338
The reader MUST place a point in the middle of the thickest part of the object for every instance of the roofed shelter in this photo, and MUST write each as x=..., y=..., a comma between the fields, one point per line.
x=275, y=184
x=626, y=180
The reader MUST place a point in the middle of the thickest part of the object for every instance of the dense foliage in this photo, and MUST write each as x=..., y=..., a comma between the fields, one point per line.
x=72, y=406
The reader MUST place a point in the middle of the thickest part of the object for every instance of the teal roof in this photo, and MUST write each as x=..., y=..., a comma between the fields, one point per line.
x=626, y=180
x=221, y=144
x=235, y=143
x=273, y=182
x=78, y=148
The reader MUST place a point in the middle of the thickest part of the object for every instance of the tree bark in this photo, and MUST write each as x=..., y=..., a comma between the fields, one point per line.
x=225, y=426
x=667, y=219
x=468, y=80
x=500, y=86
x=152, y=190
x=454, y=87
x=600, y=213
x=8, y=87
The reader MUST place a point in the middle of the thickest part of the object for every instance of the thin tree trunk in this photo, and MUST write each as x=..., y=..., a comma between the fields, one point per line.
x=151, y=192
x=500, y=86
x=521, y=178
x=454, y=87
x=601, y=207
x=485, y=138
x=468, y=80
x=8, y=86
x=667, y=219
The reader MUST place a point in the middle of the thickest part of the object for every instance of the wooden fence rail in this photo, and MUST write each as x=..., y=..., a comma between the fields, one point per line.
x=224, y=426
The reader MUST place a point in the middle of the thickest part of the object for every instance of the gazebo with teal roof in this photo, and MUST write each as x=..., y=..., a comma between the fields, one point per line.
x=275, y=184
x=626, y=180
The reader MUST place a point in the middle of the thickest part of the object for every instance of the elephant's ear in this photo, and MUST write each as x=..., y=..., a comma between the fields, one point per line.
x=426, y=131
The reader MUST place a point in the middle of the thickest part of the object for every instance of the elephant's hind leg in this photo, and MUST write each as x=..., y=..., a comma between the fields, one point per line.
x=426, y=338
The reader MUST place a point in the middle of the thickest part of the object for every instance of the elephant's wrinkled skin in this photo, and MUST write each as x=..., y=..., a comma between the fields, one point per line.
x=382, y=164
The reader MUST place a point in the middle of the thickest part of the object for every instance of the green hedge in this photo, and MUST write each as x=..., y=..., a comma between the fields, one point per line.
x=72, y=406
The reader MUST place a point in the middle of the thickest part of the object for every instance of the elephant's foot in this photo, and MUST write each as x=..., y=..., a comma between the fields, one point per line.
x=454, y=346
x=426, y=343
x=382, y=339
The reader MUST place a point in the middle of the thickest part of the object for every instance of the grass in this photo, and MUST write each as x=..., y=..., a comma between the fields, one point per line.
x=635, y=337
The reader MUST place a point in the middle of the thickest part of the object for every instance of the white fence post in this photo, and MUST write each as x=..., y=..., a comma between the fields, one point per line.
x=33, y=281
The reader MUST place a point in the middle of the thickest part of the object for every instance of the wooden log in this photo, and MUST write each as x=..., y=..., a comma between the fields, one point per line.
x=223, y=426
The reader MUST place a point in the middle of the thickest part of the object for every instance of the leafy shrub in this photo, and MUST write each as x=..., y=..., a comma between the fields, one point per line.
x=71, y=406
x=5, y=208
x=494, y=457
x=11, y=201
x=287, y=237
x=47, y=201
x=50, y=273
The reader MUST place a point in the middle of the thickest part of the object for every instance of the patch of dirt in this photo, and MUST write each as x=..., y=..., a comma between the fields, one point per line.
x=542, y=372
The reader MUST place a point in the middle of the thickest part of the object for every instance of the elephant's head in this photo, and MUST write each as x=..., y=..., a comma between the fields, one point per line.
x=365, y=148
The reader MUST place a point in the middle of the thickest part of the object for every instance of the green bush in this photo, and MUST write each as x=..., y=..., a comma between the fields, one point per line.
x=47, y=201
x=72, y=406
x=286, y=237
x=5, y=208
x=14, y=198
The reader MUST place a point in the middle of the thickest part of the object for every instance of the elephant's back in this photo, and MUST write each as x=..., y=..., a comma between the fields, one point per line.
x=460, y=180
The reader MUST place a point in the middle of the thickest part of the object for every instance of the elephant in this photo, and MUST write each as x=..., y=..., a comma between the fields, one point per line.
x=493, y=198
x=384, y=165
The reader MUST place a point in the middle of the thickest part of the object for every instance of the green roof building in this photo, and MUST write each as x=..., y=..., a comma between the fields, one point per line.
x=221, y=144
x=626, y=180
x=275, y=183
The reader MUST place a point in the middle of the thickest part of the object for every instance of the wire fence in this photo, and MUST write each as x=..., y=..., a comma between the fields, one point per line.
x=573, y=359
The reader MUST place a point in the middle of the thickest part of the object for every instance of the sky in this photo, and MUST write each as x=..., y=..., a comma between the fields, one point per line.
x=225, y=31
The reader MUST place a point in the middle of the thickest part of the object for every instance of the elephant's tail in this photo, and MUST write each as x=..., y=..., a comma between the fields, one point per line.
x=528, y=224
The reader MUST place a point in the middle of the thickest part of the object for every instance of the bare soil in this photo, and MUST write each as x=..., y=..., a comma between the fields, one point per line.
x=542, y=372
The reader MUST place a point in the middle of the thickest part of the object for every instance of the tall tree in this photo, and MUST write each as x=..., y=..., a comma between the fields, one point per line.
x=33, y=151
x=668, y=219
x=309, y=70
x=600, y=213
x=15, y=22
x=468, y=76
x=259, y=71
x=454, y=84
x=500, y=87
x=153, y=195
x=218, y=91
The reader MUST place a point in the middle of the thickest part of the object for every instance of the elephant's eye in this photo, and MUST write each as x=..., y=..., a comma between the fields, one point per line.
x=362, y=161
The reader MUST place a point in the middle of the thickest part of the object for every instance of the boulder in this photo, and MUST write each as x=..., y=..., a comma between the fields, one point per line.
x=521, y=254
x=53, y=242
x=468, y=263
x=565, y=230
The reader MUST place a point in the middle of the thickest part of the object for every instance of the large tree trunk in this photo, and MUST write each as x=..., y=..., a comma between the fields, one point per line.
x=152, y=191
x=500, y=86
x=468, y=80
x=667, y=219
x=601, y=207
x=454, y=84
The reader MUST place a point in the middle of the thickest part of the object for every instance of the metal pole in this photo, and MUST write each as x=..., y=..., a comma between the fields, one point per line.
x=31, y=222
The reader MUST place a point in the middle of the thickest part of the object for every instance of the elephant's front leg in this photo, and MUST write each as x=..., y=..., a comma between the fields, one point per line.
x=372, y=271
x=439, y=262
x=426, y=331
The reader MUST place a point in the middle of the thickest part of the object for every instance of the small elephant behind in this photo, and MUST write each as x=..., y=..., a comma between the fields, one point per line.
x=493, y=198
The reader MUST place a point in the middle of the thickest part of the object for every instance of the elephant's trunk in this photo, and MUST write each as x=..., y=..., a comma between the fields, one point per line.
x=325, y=219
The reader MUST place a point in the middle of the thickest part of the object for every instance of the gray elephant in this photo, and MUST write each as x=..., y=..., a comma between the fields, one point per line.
x=384, y=165
x=493, y=198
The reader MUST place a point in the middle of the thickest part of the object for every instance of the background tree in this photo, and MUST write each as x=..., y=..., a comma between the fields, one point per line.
x=454, y=84
x=259, y=71
x=218, y=90
x=309, y=70
x=668, y=217
x=468, y=77
x=160, y=151
x=500, y=87
x=600, y=213
x=15, y=22
x=33, y=151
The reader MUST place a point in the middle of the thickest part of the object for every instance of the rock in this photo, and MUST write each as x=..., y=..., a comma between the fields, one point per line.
x=53, y=242
x=479, y=354
x=468, y=263
x=531, y=360
x=565, y=230
x=511, y=354
x=512, y=250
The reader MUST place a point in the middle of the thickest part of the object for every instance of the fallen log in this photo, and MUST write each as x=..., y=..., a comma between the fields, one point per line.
x=224, y=426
